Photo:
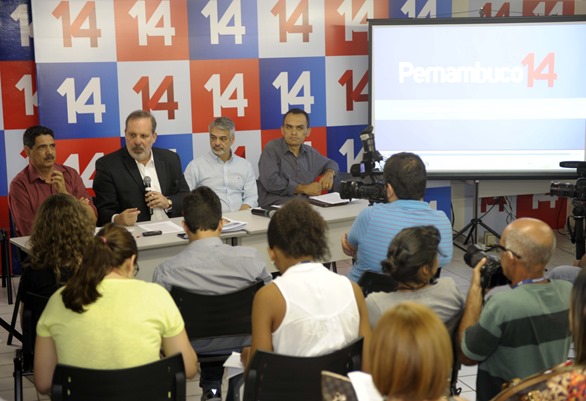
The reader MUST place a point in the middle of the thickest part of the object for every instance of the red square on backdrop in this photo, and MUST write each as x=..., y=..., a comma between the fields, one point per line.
x=81, y=154
x=554, y=216
x=548, y=7
x=19, y=94
x=227, y=88
x=347, y=27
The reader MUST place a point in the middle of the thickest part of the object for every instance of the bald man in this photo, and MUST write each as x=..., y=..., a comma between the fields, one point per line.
x=522, y=331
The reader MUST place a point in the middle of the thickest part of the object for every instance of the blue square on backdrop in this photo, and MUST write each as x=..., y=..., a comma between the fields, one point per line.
x=15, y=40
x=344, y=145
x=79, y=99
x=420, y=9
x=179, y=143
x=208, y=40
x=443, y=197
x=285, y=85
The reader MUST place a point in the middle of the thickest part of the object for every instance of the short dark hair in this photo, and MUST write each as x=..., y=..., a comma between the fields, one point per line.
x=297, y=110
x=202, y=209
x=136, y=114
x=407, y=175
x=411, y=249
x=298, y=230
x=30, y=135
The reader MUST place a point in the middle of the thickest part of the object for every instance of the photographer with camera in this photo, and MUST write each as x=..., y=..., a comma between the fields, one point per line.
x=405, y=180
x=521, y=331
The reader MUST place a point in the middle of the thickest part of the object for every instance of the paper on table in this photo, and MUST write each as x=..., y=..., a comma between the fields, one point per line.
x=166, y=227
x=234, y=365
x=364, y=386
x=232, y=225
x=332, y=198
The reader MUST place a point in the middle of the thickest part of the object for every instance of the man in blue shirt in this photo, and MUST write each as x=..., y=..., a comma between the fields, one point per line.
x=369, y=237
x=230, y=176
x=287, y=167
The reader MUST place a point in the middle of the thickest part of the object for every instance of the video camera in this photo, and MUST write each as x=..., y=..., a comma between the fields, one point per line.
x=576, y=191
x=368, y=183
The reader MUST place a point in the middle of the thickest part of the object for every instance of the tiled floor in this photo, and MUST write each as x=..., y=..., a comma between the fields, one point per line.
x=457, y=270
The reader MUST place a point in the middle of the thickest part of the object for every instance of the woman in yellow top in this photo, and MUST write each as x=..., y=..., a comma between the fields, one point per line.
x=104, y=319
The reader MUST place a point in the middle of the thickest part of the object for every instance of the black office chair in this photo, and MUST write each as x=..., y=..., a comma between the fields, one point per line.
x=376, y=282
x=273, y=377
x=163, y=380
x=214, y=316
x=24, y=359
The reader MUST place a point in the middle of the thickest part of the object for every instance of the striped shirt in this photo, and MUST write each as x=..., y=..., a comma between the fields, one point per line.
x=519, y=333
x=377, y=225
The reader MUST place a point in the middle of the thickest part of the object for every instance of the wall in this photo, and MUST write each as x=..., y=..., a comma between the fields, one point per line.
x=189, y=61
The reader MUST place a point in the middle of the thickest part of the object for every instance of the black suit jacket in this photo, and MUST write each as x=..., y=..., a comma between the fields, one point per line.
x=119, y=186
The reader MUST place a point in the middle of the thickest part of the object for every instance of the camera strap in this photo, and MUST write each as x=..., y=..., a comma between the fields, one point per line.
x=529, y=281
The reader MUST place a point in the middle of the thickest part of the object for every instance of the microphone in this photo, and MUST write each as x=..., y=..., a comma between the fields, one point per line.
x=258, y=211
x=147, y=187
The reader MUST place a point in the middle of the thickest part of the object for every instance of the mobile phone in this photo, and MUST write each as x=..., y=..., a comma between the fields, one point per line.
x=151, y=233
x=182, y=235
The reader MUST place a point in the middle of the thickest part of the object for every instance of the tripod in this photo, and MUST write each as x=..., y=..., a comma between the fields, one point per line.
x=577, y=235
x=472, y=227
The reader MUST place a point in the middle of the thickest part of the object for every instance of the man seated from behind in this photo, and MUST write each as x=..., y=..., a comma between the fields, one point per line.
x=209, y=266
x=522, y=331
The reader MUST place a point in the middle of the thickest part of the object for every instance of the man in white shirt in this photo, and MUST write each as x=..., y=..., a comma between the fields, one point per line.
x=230, y=176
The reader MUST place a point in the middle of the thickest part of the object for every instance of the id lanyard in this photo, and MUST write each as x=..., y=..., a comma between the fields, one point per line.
x=529, y=281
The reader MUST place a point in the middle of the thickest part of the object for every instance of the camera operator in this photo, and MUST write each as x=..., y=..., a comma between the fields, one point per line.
x=369, y=237
x=522, y=331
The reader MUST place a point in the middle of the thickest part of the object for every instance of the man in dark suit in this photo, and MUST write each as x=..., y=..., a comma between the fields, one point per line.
x=122, y=193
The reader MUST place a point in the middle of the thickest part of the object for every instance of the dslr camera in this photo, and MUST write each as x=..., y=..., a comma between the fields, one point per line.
x=491, y=274
x=368, y=182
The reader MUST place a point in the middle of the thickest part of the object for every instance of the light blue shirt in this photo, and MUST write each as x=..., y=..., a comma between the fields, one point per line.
x=376, y=226
x=233, y=181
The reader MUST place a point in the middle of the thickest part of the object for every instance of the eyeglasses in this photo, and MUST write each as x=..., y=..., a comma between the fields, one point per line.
x=499, y=248
x=136, y=270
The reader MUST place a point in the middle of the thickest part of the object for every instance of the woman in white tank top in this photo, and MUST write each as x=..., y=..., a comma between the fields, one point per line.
x=308, y=310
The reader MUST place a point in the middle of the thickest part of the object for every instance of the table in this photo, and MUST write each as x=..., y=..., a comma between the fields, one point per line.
x=152, y=251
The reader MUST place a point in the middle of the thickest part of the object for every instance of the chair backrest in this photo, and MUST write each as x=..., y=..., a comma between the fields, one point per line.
x=289, y=378
x=33, y=306
x=216, y=315
x=163, y=380
x=376, y=282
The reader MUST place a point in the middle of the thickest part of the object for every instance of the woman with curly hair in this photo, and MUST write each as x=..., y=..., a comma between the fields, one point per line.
x=61, y=232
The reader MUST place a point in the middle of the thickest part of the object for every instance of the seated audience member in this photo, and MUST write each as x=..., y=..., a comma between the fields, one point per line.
x=209, y=266
x=374, y=228
x=61, y=232
x=104, y=319
x=230, y=176
x=567, y=272
x=523, y=331
x=288, y=168
x=411, y=354
x=412, y=261
x=41, y=178
x=571, y=385
x=308, y=310
x=121, y=189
